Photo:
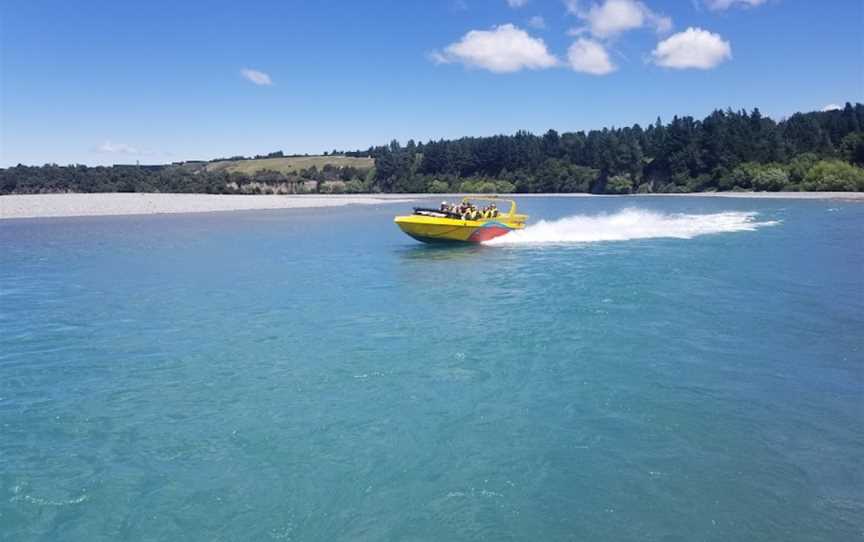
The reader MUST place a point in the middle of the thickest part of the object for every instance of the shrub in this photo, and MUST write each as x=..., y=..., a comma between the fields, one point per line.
x=770, y=178
x=438, y=187
x=834, y=175
x=619, y=184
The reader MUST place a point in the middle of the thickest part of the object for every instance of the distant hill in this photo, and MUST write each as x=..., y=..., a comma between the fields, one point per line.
x=727, y=150
x=289, y=164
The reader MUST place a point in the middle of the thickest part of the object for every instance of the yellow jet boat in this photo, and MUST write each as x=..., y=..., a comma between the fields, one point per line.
x=443, y=226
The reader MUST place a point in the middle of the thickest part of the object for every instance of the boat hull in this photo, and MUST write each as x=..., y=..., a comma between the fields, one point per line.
x=448, y=230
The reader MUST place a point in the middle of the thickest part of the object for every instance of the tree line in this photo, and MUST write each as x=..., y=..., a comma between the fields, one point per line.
x=182, y=178
x=727, y=150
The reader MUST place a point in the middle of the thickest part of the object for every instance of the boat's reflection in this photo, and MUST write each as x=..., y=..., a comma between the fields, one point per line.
x=442, y=252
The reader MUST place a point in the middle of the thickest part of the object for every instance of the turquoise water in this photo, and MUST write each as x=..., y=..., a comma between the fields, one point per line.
x=631, y=369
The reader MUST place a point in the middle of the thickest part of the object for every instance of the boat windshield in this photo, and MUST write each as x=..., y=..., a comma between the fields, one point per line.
x=437, y=213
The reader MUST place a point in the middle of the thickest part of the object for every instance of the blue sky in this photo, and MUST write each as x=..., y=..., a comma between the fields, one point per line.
x=101, y=82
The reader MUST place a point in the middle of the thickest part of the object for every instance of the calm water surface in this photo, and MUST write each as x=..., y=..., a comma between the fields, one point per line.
x=317, y=375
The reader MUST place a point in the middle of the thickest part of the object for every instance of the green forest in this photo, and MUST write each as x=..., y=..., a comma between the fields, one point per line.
x=727, y=150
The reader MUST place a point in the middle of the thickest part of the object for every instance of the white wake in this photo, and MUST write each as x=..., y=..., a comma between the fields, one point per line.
x=630, y=224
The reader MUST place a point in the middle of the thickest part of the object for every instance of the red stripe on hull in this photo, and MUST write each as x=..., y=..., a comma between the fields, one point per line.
x=484, y=234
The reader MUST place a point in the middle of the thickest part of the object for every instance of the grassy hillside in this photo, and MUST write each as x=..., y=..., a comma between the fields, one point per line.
x=291, y=164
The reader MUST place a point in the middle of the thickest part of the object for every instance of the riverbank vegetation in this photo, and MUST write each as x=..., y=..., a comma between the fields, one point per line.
x=728, y=150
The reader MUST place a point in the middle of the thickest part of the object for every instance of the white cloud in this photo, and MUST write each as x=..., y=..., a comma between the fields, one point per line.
x=117, y=148
x=537, y=22
x=613, y=17
x=437, y=57
x=255, y=76
x=504, y=49
x=589, y=56
x=517, y=3
x=832, y=107
x=721, y=5
x=693, y=48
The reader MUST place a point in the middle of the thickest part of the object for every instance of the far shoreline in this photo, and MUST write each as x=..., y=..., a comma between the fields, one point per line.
x=66, y=205
x=69, y=205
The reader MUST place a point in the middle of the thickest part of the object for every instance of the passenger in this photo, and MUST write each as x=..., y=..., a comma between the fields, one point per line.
x=444, y=207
